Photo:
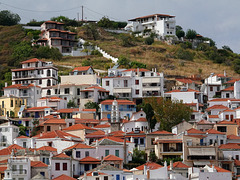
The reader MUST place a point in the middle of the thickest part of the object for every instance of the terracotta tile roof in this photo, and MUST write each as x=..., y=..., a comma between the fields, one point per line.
x=89, y=160
x=51, y=116
x=71, y=110
x=8, y=150
x=203, y=121
x=232, y=136
x=232, y=81
x=213, y=116
x=162, y=132
x=77, y=127
x=227, y=122
x=54, y=121
x=185, y=80
x=188, y=90
x=112, y=158
x=230, y=146
x=104, y=119
x=229, y=89
x=223, y=99
x=135, y=70
x=37, y=108
x=61, y=155
x=214, y=131
x=236, y=162
x=114, y=139
x=194, y=131
x=221, y=169
x=229, y=110
x=83, y=68
x=122, y=102
x=116, y=132
x=64, y=177
x=89, y=110
x=57, y=134
x=150, y=166
x=141, y=120
x=21, y=86
x=179, y=164
x=80, y=146
x=38, y=164
x=106, y=125
x=96, y=134
x=196, y=136
x=22, y=137
x=5, y=161
x=32, y=61
x=47, y=148
x=216, y=107
x=3, y=168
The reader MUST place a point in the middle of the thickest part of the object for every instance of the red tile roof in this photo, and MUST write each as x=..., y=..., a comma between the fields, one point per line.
x=22, y=137
x=64, y=177
x=99, y=173
x=213, y=116
x=3, y=168
x=89, y=160
x=54, y=121
x=189, y=81
x=179, y=164
x=83, y=68
x=162, y=132
x=80, y=146
x=20, y=86
x=47, y=148
x=150, y=166
x=37, y=108
x=122, y=102
x=226, y=122
x=221, y=169
x=194, y=131
x=217, y=107
x=106, y=125
x=61, y=155
x=57, y=134
x=214, y=131
x=112, y=158
x=232, y=136
x=38, y=164
x=71, y=110
x=203, y=121
x=77, y=127
x=223, y=99
x=230, y=146
x=236, y=162
x=188, y=90
x=232, y=81
x=31, y=61
x=114, y=139
x=160, y=141
x=141, y=120
x=89, y=110
x=8, y=150
x=229, y=89
x=96, y=134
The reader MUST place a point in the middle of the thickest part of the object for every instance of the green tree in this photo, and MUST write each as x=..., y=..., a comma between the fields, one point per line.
x=191, y=34
x=48, y=53
x=179, y=32
x=138, y=156
x=22, y=130
x=152, y=157
x=126, y=40
x=9, y=19
x=169, y=113
x=105, y=22
x=71, y=104
x=149, y=40
x=92, y=31
x=92, y=105
x=227, y=48
x=122, y=60
x=147, y=108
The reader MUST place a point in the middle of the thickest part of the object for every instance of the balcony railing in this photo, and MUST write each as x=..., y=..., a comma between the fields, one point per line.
x=19, y=171
x=25, y=76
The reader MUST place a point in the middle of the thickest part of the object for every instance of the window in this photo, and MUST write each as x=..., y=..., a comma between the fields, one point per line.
x=222, y=128
x=107, y=83
x=48, y=72
x=78, y=101
x=152, y=141
x=227, y=116
x=137, y=82
x=64, y=166
x=221, y=141
x=192, y=116
x=237, y=157
x=137, y=91
x=78, y=91
x=24, y=144
x=210, y=141
x=40, y=81
x=11, y=103
x=42, y=173
x=86, y=153
x=57, y=166
x=2, y=104
x=50, y=144
x=117, y=153
x=106, y=152
x=211, y=88
x=227, y=95
x=141, y=140
x=66, y=90
x=48, y=82
x=78, y=154
x=56, y=91
x=125, y=83
x=105, y=178
x=48, y=128
x=28, y=64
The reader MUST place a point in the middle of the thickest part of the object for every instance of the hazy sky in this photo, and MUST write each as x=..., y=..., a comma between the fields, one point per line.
x=217, y=19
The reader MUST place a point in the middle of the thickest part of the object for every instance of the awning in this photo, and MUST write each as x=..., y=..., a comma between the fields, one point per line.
x=201, y=163
x=202, y=151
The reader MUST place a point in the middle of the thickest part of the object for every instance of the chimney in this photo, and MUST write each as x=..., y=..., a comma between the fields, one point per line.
x=144, y=170
x=6, y=84
x=165, y=163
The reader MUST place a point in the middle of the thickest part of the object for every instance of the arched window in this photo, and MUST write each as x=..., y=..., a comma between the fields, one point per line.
x=48, y=92
x=48, y=72
x=48, y=82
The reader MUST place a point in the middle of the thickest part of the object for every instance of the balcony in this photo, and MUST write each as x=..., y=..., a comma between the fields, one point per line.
x=25, y=76
x=150, y=94
x=24, y=94
x=19, y=171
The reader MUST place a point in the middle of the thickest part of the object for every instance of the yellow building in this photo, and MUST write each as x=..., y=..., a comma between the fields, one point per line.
x=9, y=106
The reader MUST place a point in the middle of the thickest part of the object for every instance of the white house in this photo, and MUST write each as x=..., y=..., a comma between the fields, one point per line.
x=55, y=103
x=134, y=83
x=8, y=132
x=37, y=71
x=24, y=141
x=30, y=92
x=161, y=24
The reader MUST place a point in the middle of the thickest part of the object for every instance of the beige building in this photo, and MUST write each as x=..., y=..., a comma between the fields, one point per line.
x=227, y=127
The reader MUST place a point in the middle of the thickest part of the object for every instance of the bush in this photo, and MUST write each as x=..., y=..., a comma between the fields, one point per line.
x=184, y=54
x=135, y=64
x=126, y=40
x=48, y=53
x=86, y=63
x=149, y=40
x=96, y=52
x=122, y=60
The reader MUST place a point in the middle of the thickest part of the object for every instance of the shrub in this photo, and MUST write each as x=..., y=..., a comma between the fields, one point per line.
x=184, y=54
x=149, y=40
x=96, y=52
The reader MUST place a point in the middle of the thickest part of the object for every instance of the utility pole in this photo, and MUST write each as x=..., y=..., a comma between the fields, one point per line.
x=82, y=13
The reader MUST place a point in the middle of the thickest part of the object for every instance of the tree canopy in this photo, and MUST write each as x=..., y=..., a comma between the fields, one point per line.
x=191, y=34
x=9, y=19
x=179, y=32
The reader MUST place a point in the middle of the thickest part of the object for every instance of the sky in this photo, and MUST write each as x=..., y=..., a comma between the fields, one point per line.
x=216, y=19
